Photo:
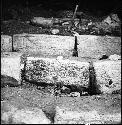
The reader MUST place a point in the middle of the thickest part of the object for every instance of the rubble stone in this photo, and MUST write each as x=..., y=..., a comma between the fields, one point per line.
x=42, y=21
x=112, y=20
x=55, y=31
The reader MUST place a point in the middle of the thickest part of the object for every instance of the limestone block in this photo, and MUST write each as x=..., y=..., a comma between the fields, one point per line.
x=33, y=116
x=108, y=75
x=94, y=46
x=45, y=44
x=88, y=110
x=11, y=65
x=6, y=43
x=114, y=57
x=29, y=97
x=52, y=70
x=28, y=115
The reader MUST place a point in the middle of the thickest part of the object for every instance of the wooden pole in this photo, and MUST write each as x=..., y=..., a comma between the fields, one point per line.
x=75, y=11
x=72, y=22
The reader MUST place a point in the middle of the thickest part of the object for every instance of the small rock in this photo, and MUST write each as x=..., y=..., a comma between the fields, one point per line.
x=27, y=22
x=55, y=31
x=65, y=23
x=105, y=89
x=84, y=93
x=60, y=58
x=107, y=20
x=89, y=23
x=76, y=23
x=115, y=17
x=75, y=94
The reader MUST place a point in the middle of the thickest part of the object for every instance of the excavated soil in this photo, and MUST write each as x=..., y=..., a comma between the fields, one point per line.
x=28, y=95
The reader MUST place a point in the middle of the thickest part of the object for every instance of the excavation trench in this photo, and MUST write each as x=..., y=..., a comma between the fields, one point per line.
x=43, y=92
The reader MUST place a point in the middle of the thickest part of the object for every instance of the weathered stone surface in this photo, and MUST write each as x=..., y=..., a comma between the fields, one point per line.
x=52, y=70
x=21, y=98
x=11, y=65
x=95, y=46
x=108, y=75
x=89, y=45
x=6, y=43
x=88, y=109
x=45, y=44
x=115, y=57
x=12, y=115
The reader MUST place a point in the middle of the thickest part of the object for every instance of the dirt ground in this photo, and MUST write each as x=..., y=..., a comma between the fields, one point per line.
x=30, y=96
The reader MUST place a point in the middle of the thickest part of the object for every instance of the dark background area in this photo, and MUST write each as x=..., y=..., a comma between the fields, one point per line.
x=96, y=7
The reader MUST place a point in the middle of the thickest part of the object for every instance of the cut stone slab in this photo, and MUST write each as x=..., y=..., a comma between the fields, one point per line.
x=45, y=44
x=103, y=109
x=52, y=70
x=11, y=65
x=21, y=98
x=27, y=115
x=95, y=46
x=108, y=75
x=6, y=43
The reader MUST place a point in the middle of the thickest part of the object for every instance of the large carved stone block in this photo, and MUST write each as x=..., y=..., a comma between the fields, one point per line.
x=11, y=65
x=45, y=44
x=95, y=46
x=52, y=70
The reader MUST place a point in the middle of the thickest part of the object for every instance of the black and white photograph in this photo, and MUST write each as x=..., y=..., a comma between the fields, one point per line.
x=61, y=61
